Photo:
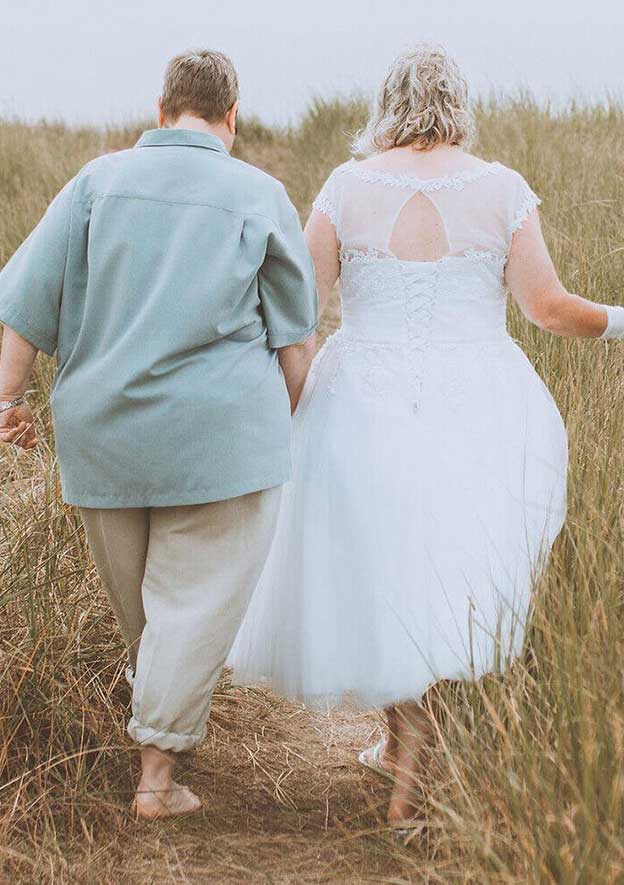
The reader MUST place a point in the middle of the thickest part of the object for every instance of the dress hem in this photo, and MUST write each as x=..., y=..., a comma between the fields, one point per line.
x=351, y=698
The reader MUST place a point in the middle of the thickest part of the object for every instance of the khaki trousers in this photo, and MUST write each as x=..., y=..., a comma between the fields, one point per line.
x=179, y=580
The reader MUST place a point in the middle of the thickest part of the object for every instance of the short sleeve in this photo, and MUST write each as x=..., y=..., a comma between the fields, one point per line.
x=287, y=282
x=31, y=283
x=327, y=201
x=524, y=201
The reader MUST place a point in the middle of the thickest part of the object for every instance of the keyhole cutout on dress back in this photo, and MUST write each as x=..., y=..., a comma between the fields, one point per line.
x=419, y=233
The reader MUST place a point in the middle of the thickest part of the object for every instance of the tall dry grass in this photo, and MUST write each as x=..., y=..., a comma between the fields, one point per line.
x=526, y=783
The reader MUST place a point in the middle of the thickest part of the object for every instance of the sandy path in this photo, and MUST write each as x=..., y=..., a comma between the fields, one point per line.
x=285, y=801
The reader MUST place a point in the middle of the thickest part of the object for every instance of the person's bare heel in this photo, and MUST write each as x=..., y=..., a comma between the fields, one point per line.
x=158, y=795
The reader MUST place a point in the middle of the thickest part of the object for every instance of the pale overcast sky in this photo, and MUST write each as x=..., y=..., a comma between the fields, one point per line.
x=80, y=60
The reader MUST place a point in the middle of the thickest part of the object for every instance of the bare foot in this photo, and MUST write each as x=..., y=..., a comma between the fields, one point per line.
x=174, y=802
x=158, y=795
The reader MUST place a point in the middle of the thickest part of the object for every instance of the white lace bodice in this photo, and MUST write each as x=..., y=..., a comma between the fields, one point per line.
x=422, y=264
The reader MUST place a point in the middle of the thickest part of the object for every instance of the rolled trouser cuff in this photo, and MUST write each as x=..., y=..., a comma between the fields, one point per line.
x=147, y=736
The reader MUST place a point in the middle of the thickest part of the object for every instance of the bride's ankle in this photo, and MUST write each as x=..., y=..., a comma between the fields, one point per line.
x=387, y=756
x=399, y=812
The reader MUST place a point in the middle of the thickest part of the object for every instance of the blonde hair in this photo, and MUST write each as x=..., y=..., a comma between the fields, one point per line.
x=423, y=101
x=199, y=82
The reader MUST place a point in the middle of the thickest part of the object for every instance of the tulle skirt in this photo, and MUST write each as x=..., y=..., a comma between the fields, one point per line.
x=411, y=534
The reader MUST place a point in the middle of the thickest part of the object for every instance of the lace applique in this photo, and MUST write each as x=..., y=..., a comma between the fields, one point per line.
x=367, y=280
x=496, y=259
x=326, y=206
x=531, y=202
x=379, y=365
x=424, y=185
x=373, y=362
x=353, y=255
x=455, y=379
x=484, y=255
x=419, y=301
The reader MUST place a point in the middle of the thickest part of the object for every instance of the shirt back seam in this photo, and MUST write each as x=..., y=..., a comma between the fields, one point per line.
x=241, y=213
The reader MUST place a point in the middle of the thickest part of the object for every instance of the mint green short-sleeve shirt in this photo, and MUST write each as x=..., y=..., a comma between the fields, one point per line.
x=164, y=278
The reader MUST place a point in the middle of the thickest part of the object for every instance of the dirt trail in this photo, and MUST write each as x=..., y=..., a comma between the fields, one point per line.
x=285, y=801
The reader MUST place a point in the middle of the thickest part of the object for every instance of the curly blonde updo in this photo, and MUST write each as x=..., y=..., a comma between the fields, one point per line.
x=423, y=102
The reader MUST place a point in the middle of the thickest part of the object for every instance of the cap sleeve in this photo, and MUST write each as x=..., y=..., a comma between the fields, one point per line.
x=524, y=201
x=327, y=199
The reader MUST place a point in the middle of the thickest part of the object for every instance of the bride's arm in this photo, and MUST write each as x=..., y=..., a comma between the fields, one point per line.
x=320, y=236
x=534, y=283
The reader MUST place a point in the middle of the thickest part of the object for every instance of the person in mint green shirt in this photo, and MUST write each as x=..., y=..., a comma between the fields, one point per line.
x=174, y=286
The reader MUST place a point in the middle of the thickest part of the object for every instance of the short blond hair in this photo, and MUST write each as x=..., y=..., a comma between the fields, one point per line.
x=200, y=82
x=423, y=101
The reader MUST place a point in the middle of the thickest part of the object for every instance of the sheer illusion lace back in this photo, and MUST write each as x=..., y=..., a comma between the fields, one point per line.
x=468, y=214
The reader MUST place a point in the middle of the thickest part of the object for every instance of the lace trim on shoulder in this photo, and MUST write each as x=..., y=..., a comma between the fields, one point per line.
x=324, y=202
x=326, y=206
x=531, y=202
x=456, y=182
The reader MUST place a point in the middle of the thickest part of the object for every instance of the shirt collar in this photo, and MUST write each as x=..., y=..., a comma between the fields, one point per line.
x=186, y=137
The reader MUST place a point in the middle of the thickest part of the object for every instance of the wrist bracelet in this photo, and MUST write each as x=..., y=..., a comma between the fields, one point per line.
x=615, y=323
x=11, y=404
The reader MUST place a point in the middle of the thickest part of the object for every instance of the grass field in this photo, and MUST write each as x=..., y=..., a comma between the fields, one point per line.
x=526, y=783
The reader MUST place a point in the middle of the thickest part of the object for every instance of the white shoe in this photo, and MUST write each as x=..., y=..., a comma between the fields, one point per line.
x=370, y=759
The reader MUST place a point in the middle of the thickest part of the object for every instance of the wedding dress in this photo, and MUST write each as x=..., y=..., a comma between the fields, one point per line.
x=429, y=458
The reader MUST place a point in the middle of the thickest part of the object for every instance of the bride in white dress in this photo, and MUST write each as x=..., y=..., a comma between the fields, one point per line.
x=429, y=458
